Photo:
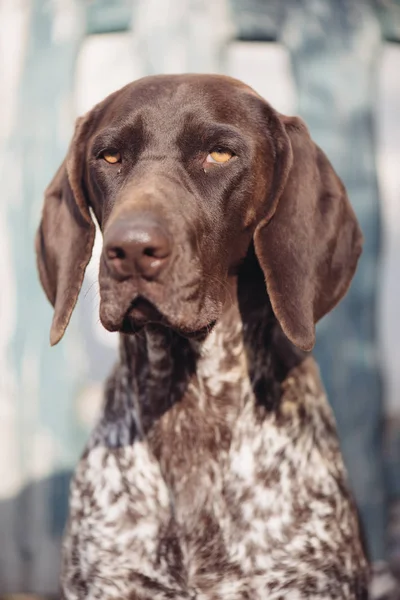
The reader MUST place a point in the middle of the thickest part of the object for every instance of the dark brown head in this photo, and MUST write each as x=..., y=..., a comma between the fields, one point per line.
x=183, y=173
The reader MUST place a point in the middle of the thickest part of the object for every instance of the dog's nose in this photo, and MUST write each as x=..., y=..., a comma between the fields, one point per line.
x=136, y=246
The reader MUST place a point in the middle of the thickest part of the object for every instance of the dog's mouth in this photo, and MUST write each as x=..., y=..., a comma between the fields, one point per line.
x=142, y=312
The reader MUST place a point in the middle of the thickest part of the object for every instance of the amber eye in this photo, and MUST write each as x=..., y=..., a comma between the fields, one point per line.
x=219, y=156
x=111, y=157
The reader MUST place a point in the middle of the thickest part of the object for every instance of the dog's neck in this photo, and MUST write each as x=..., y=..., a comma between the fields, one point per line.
x=163, y=373
x=247, y=344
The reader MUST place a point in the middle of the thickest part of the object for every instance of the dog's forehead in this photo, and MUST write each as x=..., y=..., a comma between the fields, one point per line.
x=167, y=100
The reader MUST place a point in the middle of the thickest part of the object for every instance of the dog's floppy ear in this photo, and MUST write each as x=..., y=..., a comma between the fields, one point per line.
x=66, y=234
x=309, y=242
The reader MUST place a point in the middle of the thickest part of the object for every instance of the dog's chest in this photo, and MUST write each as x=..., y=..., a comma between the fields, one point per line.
x=227, y=511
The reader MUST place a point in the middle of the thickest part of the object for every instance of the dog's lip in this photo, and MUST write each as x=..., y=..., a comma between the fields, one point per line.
x=198, y=334
x=142, y=312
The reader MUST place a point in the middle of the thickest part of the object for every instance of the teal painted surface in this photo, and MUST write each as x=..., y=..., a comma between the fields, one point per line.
x=335, y=77
x=47, y=431
x=106, y=16
x=39, y=144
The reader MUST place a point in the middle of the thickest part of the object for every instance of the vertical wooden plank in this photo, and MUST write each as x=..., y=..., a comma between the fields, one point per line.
x=334, y=47
x=46, y=435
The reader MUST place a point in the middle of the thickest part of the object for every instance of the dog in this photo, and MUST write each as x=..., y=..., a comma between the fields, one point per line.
x=214, y=471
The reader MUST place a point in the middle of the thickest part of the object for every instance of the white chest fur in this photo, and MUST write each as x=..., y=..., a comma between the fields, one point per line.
x=227, y=524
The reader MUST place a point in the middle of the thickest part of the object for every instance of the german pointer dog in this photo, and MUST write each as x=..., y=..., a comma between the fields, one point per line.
x=214, y=472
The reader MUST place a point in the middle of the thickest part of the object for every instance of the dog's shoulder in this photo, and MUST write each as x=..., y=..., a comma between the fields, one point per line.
x=288, y=492
x=300, y=423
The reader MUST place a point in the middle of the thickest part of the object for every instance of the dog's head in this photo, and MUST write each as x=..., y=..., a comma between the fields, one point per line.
x=183, y=174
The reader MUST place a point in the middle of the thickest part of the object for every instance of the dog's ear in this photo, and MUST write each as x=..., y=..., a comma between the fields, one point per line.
x=308, y=242
x=66, y=234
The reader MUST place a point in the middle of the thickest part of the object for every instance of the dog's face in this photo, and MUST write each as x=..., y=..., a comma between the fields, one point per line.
x=182, y=173
x=175, y=180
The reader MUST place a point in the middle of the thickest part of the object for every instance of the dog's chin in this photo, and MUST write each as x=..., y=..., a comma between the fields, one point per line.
x=142, y=312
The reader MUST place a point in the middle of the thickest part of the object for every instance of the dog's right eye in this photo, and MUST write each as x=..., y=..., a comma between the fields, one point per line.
x=111, y=156
x=219, y=156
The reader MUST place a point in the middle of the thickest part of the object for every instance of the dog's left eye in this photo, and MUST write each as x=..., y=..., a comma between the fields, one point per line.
x=219, y=156
x=111, y=156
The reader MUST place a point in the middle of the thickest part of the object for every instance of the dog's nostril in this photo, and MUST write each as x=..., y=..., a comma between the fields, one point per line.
x=113, y=253
x=158, y=252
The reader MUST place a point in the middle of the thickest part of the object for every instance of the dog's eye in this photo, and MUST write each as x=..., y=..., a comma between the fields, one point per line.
x=111, y=156
x=219, y=156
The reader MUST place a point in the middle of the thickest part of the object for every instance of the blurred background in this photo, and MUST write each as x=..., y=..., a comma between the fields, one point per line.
x=334, y=62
